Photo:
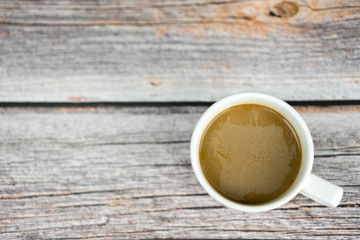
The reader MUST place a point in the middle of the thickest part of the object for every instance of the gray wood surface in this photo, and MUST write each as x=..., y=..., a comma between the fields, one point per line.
x=124, y=50
x=124, y=172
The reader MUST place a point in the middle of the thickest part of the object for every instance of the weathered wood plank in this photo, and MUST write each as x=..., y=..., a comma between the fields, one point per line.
x=71, y=51
x=124, y=172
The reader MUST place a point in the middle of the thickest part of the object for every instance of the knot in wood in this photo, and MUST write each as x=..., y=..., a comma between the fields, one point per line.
x=284, y=9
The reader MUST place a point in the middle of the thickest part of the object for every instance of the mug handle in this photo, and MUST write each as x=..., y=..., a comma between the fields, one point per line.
x=322, y=191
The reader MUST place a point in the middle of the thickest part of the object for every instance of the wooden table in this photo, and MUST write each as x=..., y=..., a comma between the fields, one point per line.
x=98, y=100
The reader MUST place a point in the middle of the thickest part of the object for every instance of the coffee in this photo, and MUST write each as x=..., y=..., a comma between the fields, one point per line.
x=250, y=154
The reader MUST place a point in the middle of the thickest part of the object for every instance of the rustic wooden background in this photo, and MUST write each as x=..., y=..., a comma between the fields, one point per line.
x=98, y=100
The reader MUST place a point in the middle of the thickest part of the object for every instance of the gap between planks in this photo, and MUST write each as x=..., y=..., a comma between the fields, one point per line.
x=166, y=104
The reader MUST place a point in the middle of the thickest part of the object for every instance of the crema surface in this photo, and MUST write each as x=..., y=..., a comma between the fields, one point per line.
x=250, y=154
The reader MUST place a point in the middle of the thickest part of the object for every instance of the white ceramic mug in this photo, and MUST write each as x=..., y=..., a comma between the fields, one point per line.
x=306, y=183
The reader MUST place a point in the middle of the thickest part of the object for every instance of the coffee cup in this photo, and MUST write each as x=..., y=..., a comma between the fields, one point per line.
x=306, y=183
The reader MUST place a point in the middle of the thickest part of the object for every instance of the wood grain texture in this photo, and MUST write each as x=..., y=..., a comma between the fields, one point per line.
x=124, y=172
x=138, y=51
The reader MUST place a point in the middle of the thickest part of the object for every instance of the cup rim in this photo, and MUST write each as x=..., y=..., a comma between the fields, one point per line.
x=284, y=109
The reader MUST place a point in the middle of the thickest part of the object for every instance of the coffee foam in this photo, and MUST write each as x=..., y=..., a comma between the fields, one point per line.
x=250, y=154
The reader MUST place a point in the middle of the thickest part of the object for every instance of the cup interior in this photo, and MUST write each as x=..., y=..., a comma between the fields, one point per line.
x=286, y=111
